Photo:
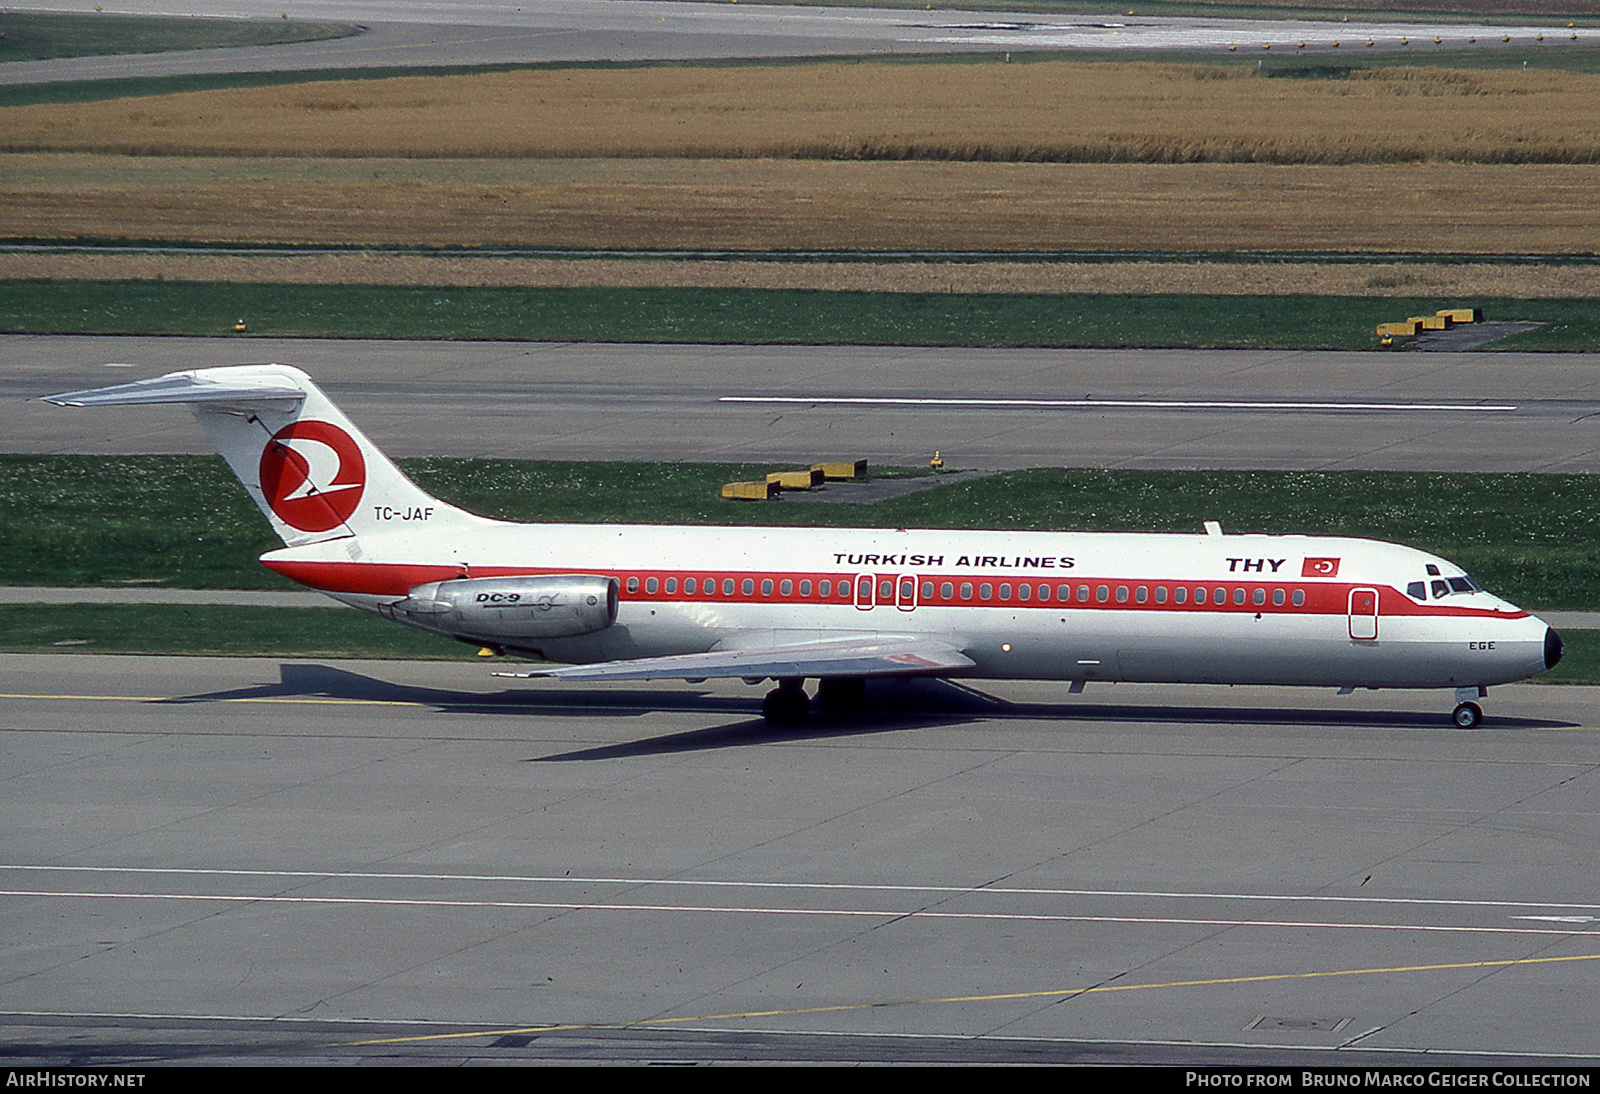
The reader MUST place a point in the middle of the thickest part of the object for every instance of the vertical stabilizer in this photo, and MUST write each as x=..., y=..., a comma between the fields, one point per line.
x=312, y=472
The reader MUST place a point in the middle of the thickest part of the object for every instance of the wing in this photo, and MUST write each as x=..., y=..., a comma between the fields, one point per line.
x=858, y=655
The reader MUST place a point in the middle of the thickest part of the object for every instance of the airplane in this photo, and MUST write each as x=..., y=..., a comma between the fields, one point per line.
x=842, y=606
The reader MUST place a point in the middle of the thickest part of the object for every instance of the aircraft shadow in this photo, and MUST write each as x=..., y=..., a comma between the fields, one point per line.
x=890, y=706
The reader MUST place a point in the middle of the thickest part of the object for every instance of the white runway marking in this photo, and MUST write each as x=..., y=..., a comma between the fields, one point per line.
x=1119, y=404
x=826, y=913
x=818, y=886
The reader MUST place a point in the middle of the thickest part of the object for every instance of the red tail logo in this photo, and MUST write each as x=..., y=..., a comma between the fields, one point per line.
x=313, y=475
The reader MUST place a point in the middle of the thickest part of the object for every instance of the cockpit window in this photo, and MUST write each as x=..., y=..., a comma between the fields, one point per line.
x=1442, y=587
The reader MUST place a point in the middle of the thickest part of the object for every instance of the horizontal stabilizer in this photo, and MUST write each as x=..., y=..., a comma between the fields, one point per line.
x=856, y=655
x=314, y=475
x=189, y=388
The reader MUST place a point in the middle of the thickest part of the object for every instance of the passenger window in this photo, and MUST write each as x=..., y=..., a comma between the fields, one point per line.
x=1179, y=595
x=985, y=591
x=766, y=587
x=1102, y=594
x=886, y=591
x=805, y=588
x=650, y=585
x=689, y=585
x=727, y=586
x=1024, y=592
x=1044, y=592
x=1063, y=592
x=633, y=584
x=786, y=587
x=1299, y=597
x=946, y=591
x=748, y=586
x=966, y=590
x=1122, y=594
x=1238, y=596
x=927, y=590
x=1140, y=594
x=672, y=585
x=1277, y=598
x=824, y=588
x=1005, y=591
x=1083, y=594
x=1259, y=597
x=1161, y=594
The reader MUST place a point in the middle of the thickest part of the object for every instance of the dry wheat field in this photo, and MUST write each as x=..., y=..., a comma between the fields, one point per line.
x=1048, y=156
x=1041, y=112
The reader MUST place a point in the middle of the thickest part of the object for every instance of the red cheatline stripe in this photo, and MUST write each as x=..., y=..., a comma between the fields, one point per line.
x=1322, y=598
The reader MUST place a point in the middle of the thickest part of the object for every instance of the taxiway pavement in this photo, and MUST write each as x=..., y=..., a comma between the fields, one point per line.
x=1271, y=409
x=249, y=860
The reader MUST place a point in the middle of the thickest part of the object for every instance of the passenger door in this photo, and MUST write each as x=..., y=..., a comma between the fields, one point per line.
x=1364, y=614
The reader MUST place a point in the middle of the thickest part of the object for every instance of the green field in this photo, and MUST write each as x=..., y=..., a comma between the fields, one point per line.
x=752, y=316
x=184, y=522
x=35, y=36
x=1545, y=57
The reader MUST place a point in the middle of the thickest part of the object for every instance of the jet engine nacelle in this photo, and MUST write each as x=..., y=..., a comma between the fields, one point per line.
x=556, y=606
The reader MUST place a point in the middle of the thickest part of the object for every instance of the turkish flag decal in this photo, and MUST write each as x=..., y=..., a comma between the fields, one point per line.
x=1320, y=567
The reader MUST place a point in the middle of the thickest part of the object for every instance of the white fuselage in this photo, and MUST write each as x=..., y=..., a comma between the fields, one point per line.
x=1033, y=605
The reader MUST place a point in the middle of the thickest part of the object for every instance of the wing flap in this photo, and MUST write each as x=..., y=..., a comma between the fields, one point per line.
x=856, y=656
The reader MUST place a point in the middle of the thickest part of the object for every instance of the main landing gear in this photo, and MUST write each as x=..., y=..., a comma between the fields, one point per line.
x=787, y=705
x=841, y=692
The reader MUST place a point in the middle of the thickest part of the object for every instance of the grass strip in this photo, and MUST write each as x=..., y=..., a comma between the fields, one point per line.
x=139, y=87
x=752, y=316
x=233, y=631
x=37, y=36
x=1554, y=57
x=184, y=522
x=216, y=629
x=186, y=248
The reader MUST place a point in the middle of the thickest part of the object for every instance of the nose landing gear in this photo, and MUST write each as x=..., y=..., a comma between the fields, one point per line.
x=1468, y=714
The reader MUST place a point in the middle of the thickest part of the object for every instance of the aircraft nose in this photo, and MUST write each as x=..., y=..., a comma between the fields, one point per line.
x=1552, y=647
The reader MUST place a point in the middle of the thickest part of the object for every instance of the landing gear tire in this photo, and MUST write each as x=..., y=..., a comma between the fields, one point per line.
x=841, y=692
x=1467, y=715
x=786, y=705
